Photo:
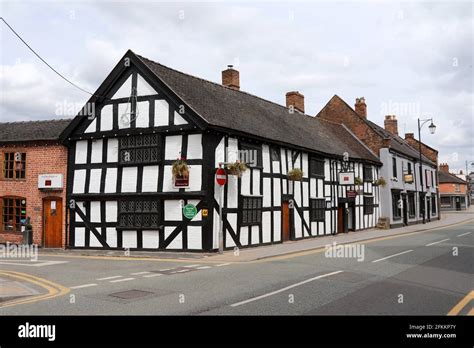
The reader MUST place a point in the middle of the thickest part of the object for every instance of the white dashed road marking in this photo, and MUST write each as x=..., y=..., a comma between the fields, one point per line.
x=388, y=257
x=204, y=267
x=223, y=264
x=139, y=273
x=192, y=265
x=464, y=234
x=108, y=278
x=152, y=275
x=82, y=286
x=121, y=280
x=284, y=289
x=440, y=241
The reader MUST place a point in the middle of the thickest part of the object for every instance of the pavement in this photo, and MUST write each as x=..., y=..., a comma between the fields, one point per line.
x=413, y=271
x=290, y=247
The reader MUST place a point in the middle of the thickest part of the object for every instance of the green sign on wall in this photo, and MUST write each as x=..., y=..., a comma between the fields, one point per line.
x=189, y=211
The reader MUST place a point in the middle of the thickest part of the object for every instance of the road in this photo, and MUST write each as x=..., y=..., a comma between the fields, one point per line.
x=429, y=273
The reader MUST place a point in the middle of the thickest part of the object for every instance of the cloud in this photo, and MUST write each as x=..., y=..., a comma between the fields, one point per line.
x=405, y=52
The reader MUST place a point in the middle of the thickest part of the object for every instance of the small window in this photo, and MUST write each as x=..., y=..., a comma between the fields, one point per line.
x=317, y=167
x=139, y=149
x=368, y=173
x=411, y=204
x=318, y=209
x=421, y=205
x=138, y=214
x=445, y=201
x=368, y=205
x=409, y=168
x=394, y=167
x=396, y=210
x=251, y=211
x=13, y=214
x=457, y=188
x=251, y=155
x=275, y=153
x=14, y=165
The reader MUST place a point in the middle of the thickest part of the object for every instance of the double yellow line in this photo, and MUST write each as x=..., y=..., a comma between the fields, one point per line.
x=462, y=304
x=53, y=289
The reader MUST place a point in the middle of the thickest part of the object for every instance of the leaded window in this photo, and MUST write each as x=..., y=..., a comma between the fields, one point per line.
x=317, y=209
x=251, y=155
x=368, y=205
x=14, y=165
x=13, y=214
x=368, y=175
x=138, y=214
x=316, y=167
x=251, y=210
x=137, y=149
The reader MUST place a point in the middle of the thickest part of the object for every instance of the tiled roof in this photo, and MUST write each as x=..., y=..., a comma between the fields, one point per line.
x=32, y=130
x=223, y=107
x=449, y=178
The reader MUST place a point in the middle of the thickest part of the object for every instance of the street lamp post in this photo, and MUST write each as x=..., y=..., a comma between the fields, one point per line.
x=432, y=129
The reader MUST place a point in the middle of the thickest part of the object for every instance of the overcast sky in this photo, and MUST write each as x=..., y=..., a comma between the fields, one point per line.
x=408, y=59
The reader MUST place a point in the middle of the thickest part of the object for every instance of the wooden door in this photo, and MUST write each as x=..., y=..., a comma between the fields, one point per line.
x=285, y=218
x=340, y=218
x=52, y=222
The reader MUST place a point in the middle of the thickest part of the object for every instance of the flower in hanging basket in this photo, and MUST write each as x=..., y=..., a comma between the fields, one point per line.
x=180, y=168
x=358, y=181
x=295, y=174
x=236, y=168
x=380, y=182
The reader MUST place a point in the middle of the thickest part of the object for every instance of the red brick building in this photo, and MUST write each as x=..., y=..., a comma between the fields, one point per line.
x=33, y=182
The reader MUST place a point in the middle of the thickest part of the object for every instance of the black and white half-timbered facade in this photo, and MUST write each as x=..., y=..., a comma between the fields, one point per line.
x=122, y=189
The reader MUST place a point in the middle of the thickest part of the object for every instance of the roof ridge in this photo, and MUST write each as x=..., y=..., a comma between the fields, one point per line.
x=38, y=121
x=217, y=84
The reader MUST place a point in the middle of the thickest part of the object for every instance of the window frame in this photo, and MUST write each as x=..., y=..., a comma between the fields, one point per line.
x=394, y=167
x=15, y=172
x=369, y=206
x=368, y=168
x=411, y=204
x=316, y=163
x=16, y=225
x=246, y=146
x=135, y=148
x=396, y=212
x=315, y=210
x=256, y=212
x=275, y=151
x=135, y=212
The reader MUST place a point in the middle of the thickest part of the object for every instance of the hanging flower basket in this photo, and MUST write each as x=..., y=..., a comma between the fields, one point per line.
x=180, y=169
x=295, y=174
x=236, y=168
x=380, y=182
x=358, y=181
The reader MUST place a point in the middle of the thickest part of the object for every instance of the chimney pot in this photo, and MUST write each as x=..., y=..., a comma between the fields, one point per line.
x=231, y=78
x=360, y=107
x=391, y=124
x=409, y=136
x=296, y=100
x=444, y=167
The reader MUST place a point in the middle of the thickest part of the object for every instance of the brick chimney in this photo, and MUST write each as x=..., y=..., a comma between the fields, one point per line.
x=444, y=167
x=409, y=136
x=295, y=99
x=231, y=78
x=387, y=142
x=391, y=124
x=361, y=107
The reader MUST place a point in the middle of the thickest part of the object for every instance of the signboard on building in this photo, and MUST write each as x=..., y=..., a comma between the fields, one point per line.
x=408, y=178
x=346, y=178
x=50, y=181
